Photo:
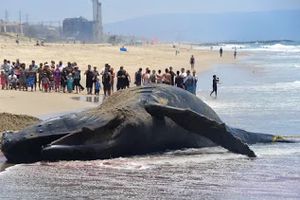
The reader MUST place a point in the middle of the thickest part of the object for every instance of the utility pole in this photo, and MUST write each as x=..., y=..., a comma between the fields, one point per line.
x=20, y=22
x=6, y=15
x=27, y=18
x=6, y=20
x=97, y=20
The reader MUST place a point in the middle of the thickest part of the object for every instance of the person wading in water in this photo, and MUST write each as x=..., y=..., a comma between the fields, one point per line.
x=215, y=86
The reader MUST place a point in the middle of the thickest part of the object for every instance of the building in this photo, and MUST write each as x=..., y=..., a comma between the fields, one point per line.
x=10, y=27
x=78, y=29
x=84, y=30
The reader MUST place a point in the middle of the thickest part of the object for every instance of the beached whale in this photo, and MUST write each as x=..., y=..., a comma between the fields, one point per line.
x=135, y=121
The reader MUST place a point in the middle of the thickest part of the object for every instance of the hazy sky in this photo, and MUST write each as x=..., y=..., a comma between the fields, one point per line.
x=116, y=10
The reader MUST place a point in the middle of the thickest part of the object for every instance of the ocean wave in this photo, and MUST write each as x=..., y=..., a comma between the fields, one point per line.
x=278, y=47
x=277, y=149
x=297, y=65
x=279, y=86
x=274, y=48
x=282, y=47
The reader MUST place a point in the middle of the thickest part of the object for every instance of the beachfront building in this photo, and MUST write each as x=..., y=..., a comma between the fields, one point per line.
x=10, y=27
x=83, y=30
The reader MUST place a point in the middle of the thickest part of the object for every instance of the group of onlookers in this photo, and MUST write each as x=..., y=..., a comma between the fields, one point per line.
x=46, y=76
x=50, y=77
x=182, y=79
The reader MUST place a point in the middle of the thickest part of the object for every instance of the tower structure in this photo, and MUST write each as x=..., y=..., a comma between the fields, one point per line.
x=97, y=21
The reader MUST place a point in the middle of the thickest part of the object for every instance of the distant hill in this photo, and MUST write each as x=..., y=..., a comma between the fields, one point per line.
x=273, y=25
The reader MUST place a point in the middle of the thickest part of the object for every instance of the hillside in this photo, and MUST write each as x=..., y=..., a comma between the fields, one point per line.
x=213, y=27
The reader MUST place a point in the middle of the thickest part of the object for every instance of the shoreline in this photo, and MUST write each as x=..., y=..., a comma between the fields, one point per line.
x=39, y=104
x=155, y=57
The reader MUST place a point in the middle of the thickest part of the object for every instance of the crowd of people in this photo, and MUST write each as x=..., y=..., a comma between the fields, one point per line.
x=52, y=77
x=182, y=79
x=46, y=76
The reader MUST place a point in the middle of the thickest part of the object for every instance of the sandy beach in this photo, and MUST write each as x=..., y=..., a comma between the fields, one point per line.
x=157, y=56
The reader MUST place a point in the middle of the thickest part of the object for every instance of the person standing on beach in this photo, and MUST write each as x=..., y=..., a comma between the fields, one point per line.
x=22, y=77
x=195, y=81
x=30, y=78
x=188, y=81
x=221, y=52
x=234, y=53
x=34, y=66
x=146, y=77
x=127, y=80
x=61, y=66
x=153, y=77
x=97, y=87
x=45, y=82
x=77, y=77
x=89, y=79
x=113, y=75
x=3, y=80
x=57, y=78
x=40, y=75
x=183, y=73
x=121, y=79
x=215, y=86
x=6, y=67
x=63, y=82
x=70, y=82
x=172, y=75
x=159, y=77
x=167, y=77
x=138, y=77
x=96, y=74
x=106, y=81
x=179, y=80
x=192, y=62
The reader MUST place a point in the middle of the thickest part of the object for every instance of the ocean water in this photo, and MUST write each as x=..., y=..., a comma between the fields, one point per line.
x=261, y=93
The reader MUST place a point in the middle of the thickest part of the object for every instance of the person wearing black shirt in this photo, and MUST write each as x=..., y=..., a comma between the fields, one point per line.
x=89, y=79
x=179, y=80
x=172, y=75
x=121, y=79
x=138, y=77
x=215, y=85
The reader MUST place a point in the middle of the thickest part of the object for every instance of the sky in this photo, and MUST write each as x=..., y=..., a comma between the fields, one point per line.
x=118, y=10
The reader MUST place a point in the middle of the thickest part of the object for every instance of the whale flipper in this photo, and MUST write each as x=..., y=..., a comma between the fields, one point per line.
x=202, y=125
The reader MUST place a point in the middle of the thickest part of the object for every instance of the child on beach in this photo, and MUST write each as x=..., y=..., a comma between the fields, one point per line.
x=97, y=86
x=70, y=81
x=13, y=80
x=3, y=80
x=45, y=82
